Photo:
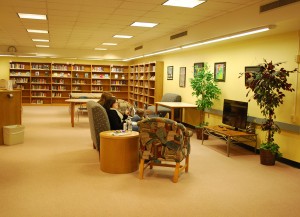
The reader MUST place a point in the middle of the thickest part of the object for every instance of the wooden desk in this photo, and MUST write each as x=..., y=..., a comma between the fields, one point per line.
x=230, y=136
x=173, y=106
x=73, y=102
x=119, y=154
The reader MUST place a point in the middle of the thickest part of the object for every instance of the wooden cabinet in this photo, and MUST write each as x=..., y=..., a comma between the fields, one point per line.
x=10, y=109
x=52, y=83
x=146, y=83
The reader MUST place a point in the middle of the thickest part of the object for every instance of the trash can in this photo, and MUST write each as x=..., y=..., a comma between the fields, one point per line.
x=13, y=134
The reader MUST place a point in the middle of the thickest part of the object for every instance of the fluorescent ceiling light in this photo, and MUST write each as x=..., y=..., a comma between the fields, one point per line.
x=39, y=45
x=183, y=3
x=143, y=24
x=40, y=40
x=31, y=56
x=33, y=16
x=6, y=55
x=122, y=36
x=161, y=52
x=133, y=58
x=98, y=48
x=37, y=31
x=110, y=44
x=250, y=32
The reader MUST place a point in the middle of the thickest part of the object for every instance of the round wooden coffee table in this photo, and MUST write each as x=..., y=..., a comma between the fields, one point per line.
x=119, y=153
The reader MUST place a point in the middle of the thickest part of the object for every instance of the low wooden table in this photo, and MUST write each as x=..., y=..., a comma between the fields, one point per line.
x=230, y=136
x=119, y=153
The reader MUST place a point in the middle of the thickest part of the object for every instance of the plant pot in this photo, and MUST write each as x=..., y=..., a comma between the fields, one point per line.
x=199, y=134
x=267, y=158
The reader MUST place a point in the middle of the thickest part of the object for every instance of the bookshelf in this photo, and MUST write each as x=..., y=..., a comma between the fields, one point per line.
x=145, y=83
x=52, y=83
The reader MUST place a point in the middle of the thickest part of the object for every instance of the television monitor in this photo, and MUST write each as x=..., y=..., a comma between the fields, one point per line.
x=249, y=73
x=235, y=114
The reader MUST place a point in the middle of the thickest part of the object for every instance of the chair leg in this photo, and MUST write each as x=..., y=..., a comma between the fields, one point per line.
x=187, y=163
x=141, y=169
x=176, y=173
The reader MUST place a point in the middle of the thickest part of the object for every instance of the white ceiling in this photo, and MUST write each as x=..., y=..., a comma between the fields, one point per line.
x=76, y=27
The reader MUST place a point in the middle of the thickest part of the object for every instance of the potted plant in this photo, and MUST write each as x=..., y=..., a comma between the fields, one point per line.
x=267, y=86
x=206, y=90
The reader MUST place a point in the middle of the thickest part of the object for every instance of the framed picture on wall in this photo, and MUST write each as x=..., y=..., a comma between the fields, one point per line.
x=220, y=71
x=197, y=66
x=182, y=74
x=170, y=73
x=250, y=73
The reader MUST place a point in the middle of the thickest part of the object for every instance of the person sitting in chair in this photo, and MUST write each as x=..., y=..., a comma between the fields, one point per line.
x=116, y=118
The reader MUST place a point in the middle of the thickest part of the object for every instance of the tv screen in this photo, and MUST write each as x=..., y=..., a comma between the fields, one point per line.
x=249, y=73
x=235, y=114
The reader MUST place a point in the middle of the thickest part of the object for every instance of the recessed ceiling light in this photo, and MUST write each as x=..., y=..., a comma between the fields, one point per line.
x=111, y=44
x=33, y=16
x=122, y=36
x=99, y=48
x=37, y=31
x=183, y=3
x=39, y=45
x=143, y=24
x=41, y=40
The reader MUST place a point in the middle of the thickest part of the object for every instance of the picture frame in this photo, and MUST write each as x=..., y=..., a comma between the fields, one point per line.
x=250, y=74
x=198, y=65
x=220, y=71
x=182, y=76
x=170, y=73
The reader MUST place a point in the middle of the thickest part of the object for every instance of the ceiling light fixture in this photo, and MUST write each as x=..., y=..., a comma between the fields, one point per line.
x=240, y=34
x=37, y=31
x=6, y=55
x=237, y=35
x=39, y=45
x=98, y=48
x=122, y=36
x=32, y=16
x=109, y=44
x=183, y=3
x=143, y=24
x=161, y=52
x=133, y=58
x=40, y=40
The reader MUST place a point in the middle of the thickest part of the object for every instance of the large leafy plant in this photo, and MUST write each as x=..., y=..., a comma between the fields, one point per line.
x=204, y=88
x=268, y=86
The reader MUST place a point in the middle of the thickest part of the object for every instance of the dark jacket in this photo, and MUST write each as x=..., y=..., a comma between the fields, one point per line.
x=114, y=120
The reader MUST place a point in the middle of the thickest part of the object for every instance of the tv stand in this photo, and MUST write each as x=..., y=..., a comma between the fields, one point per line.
x=230, y=136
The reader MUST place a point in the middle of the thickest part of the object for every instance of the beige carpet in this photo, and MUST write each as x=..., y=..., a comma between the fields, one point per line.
x=55, y=172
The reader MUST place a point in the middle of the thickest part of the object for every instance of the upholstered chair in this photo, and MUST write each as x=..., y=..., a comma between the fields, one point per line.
x=163, y=142
x=98, y=120
x=162, y=111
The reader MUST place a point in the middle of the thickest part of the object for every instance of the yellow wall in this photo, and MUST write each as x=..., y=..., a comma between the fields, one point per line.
x=237, y=54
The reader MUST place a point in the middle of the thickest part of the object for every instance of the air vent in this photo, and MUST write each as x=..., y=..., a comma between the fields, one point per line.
x=139, y=47
x=172, y=37
x=276, y=4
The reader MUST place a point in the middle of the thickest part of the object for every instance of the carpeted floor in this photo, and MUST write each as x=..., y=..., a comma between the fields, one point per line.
x=56, y=172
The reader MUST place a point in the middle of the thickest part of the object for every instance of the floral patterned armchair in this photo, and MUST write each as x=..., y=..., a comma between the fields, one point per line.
x=163, y=142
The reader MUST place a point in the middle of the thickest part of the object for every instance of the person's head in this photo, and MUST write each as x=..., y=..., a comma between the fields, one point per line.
x=104, y=97
x=111, y=102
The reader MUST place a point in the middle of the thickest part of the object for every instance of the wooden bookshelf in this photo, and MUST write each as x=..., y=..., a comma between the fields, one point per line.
x=146, y=83
x=52, y=83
